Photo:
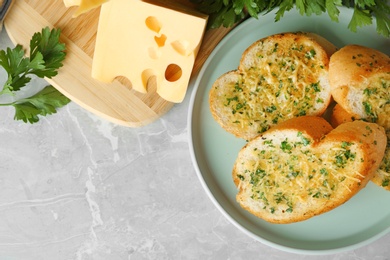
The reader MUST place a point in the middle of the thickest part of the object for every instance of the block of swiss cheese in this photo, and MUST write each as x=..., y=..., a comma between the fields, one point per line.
x=143, y=42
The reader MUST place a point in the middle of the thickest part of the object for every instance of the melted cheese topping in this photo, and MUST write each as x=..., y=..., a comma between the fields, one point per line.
x=279, y=174
x=277, y=83
x=382, y=176
x=376, y=104
x=376, y=101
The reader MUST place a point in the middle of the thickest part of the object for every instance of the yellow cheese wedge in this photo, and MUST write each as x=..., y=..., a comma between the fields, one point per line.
x=140, y=41
x=84, y=5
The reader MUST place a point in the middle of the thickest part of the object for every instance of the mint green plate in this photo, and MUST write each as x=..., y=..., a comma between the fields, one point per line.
x=358, y=222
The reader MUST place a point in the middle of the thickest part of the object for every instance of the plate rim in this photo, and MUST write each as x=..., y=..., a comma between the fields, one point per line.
x=205, y=186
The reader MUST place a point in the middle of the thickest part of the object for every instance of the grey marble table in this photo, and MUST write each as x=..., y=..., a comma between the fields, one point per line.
x=74, y=186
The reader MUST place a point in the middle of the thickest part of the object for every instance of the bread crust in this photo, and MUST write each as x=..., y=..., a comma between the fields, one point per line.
x=350, y=65
x=259, y=196
x=340, y=116
x=279, y=77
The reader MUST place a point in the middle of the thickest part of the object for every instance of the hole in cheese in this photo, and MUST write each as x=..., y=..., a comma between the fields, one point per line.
x=147, y=75
x=124, y=81
x=154, y=53
x=173, y=73
x=181, y=46
x=152, y=85
x=160, y=40
x=153, y=24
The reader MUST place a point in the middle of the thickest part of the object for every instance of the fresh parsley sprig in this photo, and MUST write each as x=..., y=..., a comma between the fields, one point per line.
x=228, y=12
x=46, y=56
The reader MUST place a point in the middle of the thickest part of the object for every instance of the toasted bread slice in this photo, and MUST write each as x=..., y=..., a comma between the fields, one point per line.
x=303, y=167
x=360, y=82
x=279, y=77
x=382, y=175
x=339, y=116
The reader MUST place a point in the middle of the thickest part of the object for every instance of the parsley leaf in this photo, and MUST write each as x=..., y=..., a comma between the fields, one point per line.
x=359, y=19
x=46, y=57
x=46, y=44
x=331, y=8
x=42, y=103
x=16, y=66
x=382, y=14
x=284, y=7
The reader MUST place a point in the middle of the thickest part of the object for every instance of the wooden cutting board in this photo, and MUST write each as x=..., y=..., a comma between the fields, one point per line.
x=116, y=101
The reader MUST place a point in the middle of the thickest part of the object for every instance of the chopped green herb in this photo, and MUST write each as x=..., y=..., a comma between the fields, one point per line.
x=286, y=146
x=311, y=54
x=324, y=171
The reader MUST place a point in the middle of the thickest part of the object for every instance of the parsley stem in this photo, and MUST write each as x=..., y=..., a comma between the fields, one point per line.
x=7, y=104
